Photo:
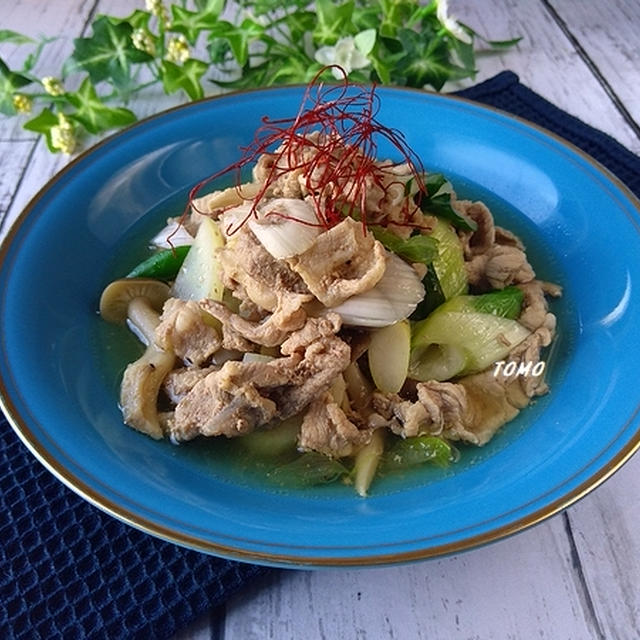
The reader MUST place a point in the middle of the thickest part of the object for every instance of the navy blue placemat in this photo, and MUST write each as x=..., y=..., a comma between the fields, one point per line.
x=69, y=571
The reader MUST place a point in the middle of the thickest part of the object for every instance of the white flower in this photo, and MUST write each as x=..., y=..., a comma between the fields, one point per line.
x=63, y=136
x=343, y=53
x=156, y=8
x=52, y=86
x=22, y=103
x=178, y=49
x=450, y=23
x=143, y=41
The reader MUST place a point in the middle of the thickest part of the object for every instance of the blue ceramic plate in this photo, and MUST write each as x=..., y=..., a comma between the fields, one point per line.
x=60, y=364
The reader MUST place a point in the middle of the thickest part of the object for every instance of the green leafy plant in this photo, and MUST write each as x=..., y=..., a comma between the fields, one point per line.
x=199, y=47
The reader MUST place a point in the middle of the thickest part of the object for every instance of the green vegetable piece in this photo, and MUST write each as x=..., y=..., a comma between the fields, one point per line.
x=506, y=303
x=272, y=443
x=449, y=263
x=367, y=461
x=420, y=450
x=199, y=275
x=472, y=338
x=503, y=303
x=163, y=265
x=437, y=201
x=433, y=296
x=417, y=248
x=308, y=470
x=438, y=362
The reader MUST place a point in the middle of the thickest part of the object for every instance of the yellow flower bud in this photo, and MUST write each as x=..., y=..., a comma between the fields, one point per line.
x=178, y=49
x=156, y=8
x=52, y=86
x=142, y=40
x=62, y=135
x=22, y=103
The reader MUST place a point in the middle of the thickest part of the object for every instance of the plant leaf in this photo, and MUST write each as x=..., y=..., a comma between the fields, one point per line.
x=427, y=62
x=496, y=44
x=7, y=35
x=109, y=52
x=43, y=123
x=333, y=21
x=503, y=44
x=139, y=19
x=185, y=77
x=214, y=7
x=9, y=82
x=238, y=37
x=32, y=59
x=93, y=114
x=365, y=41
x=191, y=23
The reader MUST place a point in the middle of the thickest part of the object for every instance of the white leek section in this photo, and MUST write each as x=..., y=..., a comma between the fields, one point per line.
x=176, y=233
x=286, y=227
x=394, y=298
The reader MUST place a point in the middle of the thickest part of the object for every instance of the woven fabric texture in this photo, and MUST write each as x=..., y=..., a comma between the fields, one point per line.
x=69, y=571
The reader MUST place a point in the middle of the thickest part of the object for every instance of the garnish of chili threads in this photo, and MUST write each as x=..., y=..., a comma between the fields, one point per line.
x=332, y=145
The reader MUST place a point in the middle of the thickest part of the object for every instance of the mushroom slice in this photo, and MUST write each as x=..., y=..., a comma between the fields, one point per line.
x=138, y=301
x=115, y=299
x=139, y=390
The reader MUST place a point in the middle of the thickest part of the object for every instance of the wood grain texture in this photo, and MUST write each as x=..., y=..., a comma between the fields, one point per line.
x=14, y=157
x=32, y=176
x=608, y=33
x=545, y=60
x=604, y=528
x=524, y=584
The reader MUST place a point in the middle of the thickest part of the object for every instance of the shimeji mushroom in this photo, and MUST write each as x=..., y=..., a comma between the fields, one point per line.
x=138, y=302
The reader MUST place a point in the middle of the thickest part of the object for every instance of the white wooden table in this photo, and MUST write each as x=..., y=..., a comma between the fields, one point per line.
x=577, y=575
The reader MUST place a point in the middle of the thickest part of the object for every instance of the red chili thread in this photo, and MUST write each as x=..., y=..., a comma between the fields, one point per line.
x=338, y=126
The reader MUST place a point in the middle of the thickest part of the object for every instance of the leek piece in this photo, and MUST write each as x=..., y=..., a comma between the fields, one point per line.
x=437, y=201
x=274, y=442
x=439, y=362
x=483, y=338
x=506, y=303
x=162, y=265
x=199, y=276
x=338, y=390
x=416, y=248
x=449, y=263
x=358, y=387
x=307, y=470
x=389, y=356
x=395, y=297
x=256, y=357
x=418, y=450
x=172, y=236
x=433, y=295
x=286, y=227
x=366, y=463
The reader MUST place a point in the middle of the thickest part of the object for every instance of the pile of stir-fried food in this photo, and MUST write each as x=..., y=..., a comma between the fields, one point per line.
x=349, y=308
